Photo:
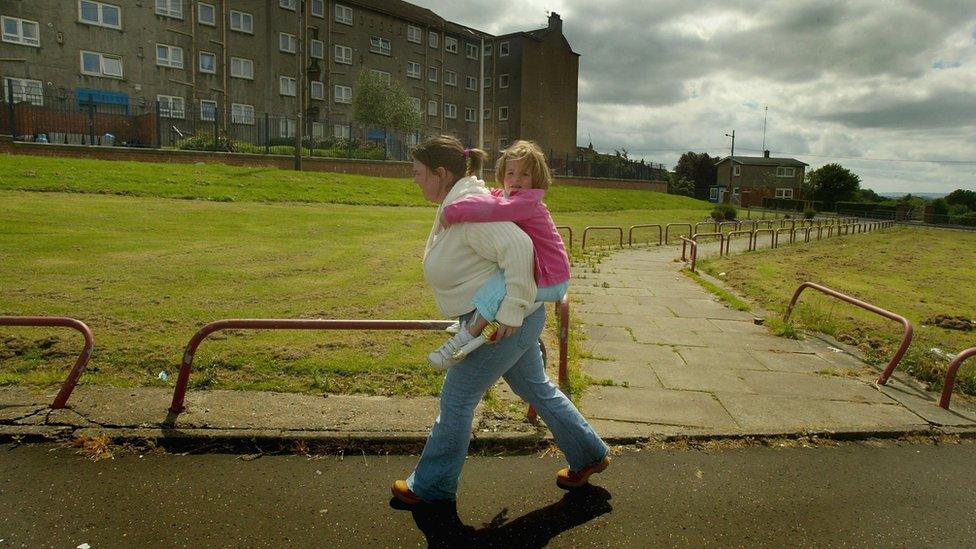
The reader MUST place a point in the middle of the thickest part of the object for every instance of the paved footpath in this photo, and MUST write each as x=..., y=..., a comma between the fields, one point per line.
x=674, y=360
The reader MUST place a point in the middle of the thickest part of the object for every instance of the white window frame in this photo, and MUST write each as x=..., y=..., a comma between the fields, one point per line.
x=785, y=171
x=18, y=37
x=200, y=57
x=286, y=127
x=343, y=94
x=736, y=170
x=343, y=14
x=488, y=50
x=242, y=16
x=432, y=74
x=170, y=8
x=169, y=60
x=417, y=105
x=287, y=4
x=450, y=78
x=471, y=83
x=503, y=143
x=382, y=75
x=241, y=63
x=713, y=194
x=432, y=107
x=287, y=86
x=470, y=114
x=784, y=193
x=486, y=114
x=414, y=70
x=471, y=50
x=502, y=113
x=318, y=130
x=504, y=48
x=316, y=90
x=242, y=113
x=450, y=111
x=101, y=64
x=341, y=131
x=503, y=80
x=287, y=43
x=320, y=12
x=380, y=45
x=100, y=20
x=487, y=82
x=433, y=39
x=450, y=44
x=414, y=34
x=22, y=90
x=171, y=111
x=213, y=11
x=342, y=54
x=204, y=113
x=316, y=49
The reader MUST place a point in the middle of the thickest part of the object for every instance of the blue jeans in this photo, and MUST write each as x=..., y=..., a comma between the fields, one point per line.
x=518, y=359
x=489, y=296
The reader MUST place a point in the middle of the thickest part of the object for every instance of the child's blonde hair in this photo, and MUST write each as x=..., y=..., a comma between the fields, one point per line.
x=535, y=162
x=445, y=151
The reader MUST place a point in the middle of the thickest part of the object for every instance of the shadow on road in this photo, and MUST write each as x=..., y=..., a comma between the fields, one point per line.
x=442, y=526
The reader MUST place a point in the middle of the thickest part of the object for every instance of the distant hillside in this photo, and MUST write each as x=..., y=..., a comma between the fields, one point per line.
x=927, y=196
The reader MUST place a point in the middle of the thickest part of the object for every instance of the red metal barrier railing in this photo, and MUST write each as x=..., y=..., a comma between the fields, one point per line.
x=906, y=339
x=685, y=242
x=772, y=238
x=667, y=230
x=603, y=228
x=714, y=225
x=951, y=375
x=781, y=229
x=721, y=240
x=728, y=240
x=570, y=230
x=60, y=401
x=660, y=233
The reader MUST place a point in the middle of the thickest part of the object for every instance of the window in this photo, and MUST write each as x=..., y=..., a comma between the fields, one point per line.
x=470, y=115
x=785, y=172
x=414, y=34
x=471, y=83
x=503, y=80
x=416, y=104
x=735, y=192
x=208, y=62
x=340, y=131
x=432, y=39
x=784, y=193
x=241, y=22
x=286, y=127
x=487, y=51
x=432, y=107
x=502, y=143
x=317, y=49
x=206, y=14
x=318, y=130
x=471, y=50
x=287, y=4
x=450, y=44
x=450, y=111
x=241, y=114
x=241, y=68
x=432, y=74
x=208, y=110
x=486, y=115
x=97, y=13
x=21, y=31
x=413, y=70
x=713, y=194
x=100, y=64
x=343, y=54
x=450, y=78
x=736, y=170
x=317, y=91
x=503, y=113
x=317, y=7
x=171, y=106
x=169, y=56
x=287, y=86
x=503, y=49
x=31, y=91
x=343, y=94
x=170, y=8
x=343, y=14
x=287, y=42
x=487, y=83
x=382, y=75
x=379, y=45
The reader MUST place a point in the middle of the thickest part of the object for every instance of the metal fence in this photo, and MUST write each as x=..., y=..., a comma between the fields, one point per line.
x=606, y=166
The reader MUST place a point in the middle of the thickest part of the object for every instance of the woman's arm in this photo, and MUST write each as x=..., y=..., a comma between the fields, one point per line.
x=509, y=247
x=522, y=204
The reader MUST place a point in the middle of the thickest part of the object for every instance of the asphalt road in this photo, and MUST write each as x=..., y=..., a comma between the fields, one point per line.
x=855, y=494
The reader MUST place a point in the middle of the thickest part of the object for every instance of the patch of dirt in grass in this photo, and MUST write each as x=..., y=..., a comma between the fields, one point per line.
x=951, y=322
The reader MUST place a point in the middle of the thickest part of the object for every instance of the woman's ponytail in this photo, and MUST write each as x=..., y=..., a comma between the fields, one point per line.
x=476, y=160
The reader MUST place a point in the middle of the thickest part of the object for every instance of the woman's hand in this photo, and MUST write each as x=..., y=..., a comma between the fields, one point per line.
x=504, y=330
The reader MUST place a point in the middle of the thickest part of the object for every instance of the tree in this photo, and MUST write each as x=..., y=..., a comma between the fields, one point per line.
x=699, y=168
x=680, y=185
x=382, y=104
x=867, y=195
x=962, y=197
x=832, y=183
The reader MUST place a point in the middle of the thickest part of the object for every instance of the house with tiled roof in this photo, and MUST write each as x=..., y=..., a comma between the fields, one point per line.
x=756, y=177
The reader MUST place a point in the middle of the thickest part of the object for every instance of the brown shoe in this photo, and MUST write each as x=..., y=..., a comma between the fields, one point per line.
x=567, y=480
x=404, y=494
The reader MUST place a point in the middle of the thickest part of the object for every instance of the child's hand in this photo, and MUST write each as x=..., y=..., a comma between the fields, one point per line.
x=444, y=222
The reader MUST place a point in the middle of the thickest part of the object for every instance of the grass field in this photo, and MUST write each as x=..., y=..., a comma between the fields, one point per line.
x=916, y=272
x=147, y=253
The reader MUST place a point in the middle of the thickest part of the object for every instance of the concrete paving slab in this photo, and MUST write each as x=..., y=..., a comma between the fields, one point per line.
x=645, y=308
x=926, y=405
x=580, y=304
x=714, y=358
x=792, y=362
x=662, y=407
x=813, y=386
x=630, y=374
x=793, y=414
x=625, y=431
x=745, y=326
x=762, y=342
x=607, y=333
x=666, y=335
x=606, y=319
x=691, y=378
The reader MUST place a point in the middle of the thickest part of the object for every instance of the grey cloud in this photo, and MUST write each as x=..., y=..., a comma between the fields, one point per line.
x=944, y=110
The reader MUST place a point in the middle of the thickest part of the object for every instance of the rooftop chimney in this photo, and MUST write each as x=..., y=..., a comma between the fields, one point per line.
x=555, y=22
x=766, y=153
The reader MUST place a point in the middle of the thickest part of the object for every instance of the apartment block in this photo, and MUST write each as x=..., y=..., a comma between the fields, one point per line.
x=234, y=61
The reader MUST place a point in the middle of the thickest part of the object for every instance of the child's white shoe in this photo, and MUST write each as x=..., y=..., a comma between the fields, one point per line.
x=455, y=349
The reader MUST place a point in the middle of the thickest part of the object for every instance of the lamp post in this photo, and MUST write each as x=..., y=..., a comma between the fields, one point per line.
x=300, y=82
x=728, y=190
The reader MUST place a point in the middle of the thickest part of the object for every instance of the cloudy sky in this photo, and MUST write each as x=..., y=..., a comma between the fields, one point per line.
x=887, y=88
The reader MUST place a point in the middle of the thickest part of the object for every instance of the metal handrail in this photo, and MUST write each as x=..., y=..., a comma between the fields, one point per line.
x=772, y=238
x=595, y=228
x=685, y=242
x=568, y=228
x=60, y=401
x=714, y=224
x=906, y=338
x=951, y=375
x=792, y=232
x=660, y=233
x=728, y=240
x=667, y=230
x=721, y=239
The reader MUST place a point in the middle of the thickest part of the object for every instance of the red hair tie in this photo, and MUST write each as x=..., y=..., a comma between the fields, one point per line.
x=467, y=153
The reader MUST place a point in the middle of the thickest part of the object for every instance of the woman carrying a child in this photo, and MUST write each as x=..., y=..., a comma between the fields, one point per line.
x=482, y=267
